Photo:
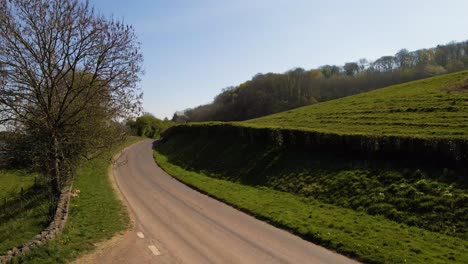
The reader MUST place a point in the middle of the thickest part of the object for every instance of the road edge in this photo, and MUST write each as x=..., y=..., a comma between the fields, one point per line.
x=118, y=236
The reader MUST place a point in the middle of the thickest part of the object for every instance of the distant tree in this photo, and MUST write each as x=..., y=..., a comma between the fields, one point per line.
x=147, y=125
x=351, y=68
x=464, y=59
x=454, y=65
x=441, y=56
x=316, y=74
x=179, y=117
x=384, y=64
x=424, y=57
x=363, y=64
x=70, y=76
x=432, y=70
x=330, y=70
x=403, y=58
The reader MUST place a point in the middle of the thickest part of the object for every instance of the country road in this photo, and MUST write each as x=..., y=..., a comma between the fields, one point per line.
x=175, y=224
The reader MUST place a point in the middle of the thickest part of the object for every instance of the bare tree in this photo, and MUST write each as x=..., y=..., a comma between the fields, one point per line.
x=68, y=76
x=403, y=58
x=351, y=68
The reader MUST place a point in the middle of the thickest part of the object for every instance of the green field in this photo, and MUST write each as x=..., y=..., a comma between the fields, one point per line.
x=13, y=180
x=95, y=215
x=21, y=220
x=433, y=107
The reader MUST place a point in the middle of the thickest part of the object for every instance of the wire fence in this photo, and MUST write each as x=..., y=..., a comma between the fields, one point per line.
x=23, y=199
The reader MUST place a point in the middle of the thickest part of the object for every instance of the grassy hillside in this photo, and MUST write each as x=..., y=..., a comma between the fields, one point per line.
x=433, y=107
x=396, y=156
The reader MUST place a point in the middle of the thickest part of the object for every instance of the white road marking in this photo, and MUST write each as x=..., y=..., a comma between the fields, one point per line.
x=140, y=235
x=155, y=250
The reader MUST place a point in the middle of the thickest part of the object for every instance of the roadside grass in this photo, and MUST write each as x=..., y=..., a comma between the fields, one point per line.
x=417, y=194
x=21, y=220
x=435, y=107
x=372, y=239
x=96, y=215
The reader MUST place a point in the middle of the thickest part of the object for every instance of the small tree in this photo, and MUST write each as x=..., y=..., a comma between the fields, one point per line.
x=68, y=76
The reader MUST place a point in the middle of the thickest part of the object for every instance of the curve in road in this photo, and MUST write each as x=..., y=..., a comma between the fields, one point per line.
x=176, y=224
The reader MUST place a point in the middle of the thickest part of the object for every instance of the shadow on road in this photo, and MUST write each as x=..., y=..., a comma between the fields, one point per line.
x=156, y=142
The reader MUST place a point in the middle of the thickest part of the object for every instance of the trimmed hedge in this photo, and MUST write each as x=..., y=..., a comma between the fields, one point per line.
x=438, y=152
x=403, y=182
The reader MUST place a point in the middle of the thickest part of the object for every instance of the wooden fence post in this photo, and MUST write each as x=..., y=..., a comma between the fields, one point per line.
x=21, y=198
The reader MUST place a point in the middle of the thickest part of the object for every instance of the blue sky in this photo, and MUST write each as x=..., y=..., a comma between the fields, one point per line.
x=194, y=48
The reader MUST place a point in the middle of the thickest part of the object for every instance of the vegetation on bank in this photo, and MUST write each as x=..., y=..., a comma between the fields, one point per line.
x=148, y=126
x=95, y=215
x=371, y=239
x=435, y=107
x=406, y=191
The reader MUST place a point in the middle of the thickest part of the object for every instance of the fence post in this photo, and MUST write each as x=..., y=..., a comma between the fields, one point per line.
x=21, y=198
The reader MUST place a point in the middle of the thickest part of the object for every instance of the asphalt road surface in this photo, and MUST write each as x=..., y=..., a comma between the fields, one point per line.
x=175, y=224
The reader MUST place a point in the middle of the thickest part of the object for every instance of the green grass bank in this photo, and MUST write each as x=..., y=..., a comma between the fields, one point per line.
x=418, y=194
x=372, y=239
x=96, y=215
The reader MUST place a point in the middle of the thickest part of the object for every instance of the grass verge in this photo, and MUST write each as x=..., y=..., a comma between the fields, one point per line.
x=371, y=239
x=23, y=218
x=96, y=215
x=415, y=193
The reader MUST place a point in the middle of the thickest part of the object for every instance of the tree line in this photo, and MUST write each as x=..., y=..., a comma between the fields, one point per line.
x=147, y=125
x=271, y=93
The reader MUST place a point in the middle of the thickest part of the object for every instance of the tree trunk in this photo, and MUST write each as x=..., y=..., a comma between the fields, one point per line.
x=56, y=177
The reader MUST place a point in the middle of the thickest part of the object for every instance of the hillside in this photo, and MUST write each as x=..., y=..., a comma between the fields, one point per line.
x=433, y=107
x=271, y=93
x=397, y=156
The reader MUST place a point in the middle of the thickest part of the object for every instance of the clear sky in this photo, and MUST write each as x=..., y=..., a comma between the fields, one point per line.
x=194, y=48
